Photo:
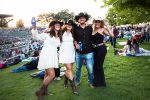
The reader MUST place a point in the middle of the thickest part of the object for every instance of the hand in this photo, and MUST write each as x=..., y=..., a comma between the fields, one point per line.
x=77, y=46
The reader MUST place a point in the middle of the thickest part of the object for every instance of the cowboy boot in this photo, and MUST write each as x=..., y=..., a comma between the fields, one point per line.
x=73, y=86
x=46, y=91
x=40, y=93
x=65, y=81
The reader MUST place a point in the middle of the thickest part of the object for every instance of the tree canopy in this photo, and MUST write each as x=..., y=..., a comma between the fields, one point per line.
x=128, y=11
x=20, y=23
x=63, y=15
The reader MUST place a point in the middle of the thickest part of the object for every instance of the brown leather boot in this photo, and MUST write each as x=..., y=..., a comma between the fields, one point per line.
x=73, y=86
x=40, y=93
x=65, y=81
x=46, y=92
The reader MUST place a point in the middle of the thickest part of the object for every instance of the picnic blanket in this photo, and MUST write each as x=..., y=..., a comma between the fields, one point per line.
x=143, y=52
x=122, y=43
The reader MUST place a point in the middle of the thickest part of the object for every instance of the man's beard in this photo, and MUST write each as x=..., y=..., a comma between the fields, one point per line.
x=82, y=23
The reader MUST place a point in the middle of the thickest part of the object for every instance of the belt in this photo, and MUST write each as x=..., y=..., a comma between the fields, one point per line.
x=98, y=45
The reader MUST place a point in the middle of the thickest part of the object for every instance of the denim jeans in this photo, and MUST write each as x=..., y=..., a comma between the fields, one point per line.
x=20, y=69
x=147, y=37
x=89, y=60
x=114, y=42
x=41, y=74
x=110, y=40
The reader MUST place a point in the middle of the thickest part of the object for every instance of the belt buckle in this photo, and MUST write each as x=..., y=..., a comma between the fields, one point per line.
x=94, y=46
x=101, y=44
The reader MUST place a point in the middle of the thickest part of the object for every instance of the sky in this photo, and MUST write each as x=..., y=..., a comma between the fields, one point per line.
x=26, y=9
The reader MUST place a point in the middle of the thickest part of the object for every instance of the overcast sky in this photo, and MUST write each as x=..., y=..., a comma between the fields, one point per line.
x=25, y=9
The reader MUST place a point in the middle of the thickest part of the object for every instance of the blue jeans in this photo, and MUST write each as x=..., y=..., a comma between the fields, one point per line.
x=114, y=42
x=89, y=60
x=41, y=74
x=110, y=40
x=20, y=69
x=147, y=37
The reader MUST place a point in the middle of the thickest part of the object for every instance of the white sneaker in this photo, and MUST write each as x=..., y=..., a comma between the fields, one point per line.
x=57, y=78
x=107, y=48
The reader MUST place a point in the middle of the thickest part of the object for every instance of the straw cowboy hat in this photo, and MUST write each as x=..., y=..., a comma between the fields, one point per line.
x=98, y=19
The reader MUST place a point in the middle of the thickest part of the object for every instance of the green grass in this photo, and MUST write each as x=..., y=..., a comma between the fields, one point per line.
x=128, y=78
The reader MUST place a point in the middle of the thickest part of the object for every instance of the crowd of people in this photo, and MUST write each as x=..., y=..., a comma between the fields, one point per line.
x=140, y=33
x=135, y=36
x=16, y=45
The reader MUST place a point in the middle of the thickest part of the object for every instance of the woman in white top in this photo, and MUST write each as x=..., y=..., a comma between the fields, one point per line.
x=48, y=59
x=67, y=54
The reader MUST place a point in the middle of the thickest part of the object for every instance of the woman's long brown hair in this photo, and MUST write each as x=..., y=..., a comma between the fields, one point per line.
x=65, y=29
x=101, y=24
x=52, y=33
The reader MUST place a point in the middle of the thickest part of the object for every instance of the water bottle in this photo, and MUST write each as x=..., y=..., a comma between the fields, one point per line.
x=80, y=45
x=33, y=21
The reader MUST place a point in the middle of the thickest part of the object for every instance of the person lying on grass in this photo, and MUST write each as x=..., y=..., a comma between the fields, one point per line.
x=130, y=49
x=26, y=67
x=41, y=74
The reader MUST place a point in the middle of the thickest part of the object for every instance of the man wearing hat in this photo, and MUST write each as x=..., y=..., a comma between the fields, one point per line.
x=83, y=46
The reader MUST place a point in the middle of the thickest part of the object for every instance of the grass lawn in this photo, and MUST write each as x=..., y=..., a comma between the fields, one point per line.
x=128, y=78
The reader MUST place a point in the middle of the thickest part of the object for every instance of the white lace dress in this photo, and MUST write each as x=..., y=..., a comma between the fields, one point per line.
x=67, y=50
x=48, y=56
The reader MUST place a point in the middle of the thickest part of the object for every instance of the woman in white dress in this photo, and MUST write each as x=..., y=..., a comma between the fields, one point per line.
x=67, y=55
x=48, y=59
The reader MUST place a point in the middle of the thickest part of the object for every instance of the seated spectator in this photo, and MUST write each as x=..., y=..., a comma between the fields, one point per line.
x=137, y=36
x=128, y=49
x=135, y=45
x=26, y=67
x=16, y=61
x=22, y=56
x=3, y=64
x=35, y=55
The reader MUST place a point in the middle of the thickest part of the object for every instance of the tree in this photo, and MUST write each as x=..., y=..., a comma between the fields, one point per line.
x=123, y=4
x=128, y=11
x=45, y=18
x=4, y=21
x=63, y=15
x=20, y=23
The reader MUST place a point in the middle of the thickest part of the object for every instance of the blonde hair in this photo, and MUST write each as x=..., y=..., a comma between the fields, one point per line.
x=98, y=21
